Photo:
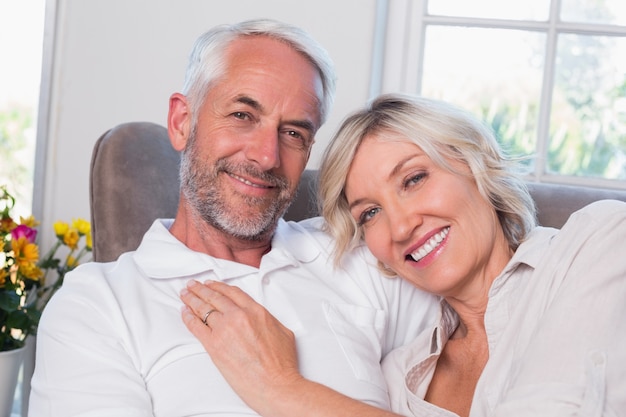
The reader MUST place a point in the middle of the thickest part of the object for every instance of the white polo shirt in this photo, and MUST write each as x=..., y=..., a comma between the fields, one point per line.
x=112, y=341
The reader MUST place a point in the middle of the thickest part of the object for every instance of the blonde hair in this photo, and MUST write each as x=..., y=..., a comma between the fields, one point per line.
x=444, y=133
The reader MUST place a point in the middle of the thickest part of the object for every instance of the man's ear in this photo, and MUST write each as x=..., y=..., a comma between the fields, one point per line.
x=179, y=121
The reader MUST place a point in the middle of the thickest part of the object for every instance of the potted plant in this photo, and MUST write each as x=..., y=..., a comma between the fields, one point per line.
x=25, y=286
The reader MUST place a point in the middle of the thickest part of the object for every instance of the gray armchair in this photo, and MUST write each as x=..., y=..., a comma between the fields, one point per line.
x=134, y=180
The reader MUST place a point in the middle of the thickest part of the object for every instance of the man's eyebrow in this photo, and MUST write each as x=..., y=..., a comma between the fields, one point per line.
x=303, y=124
x=308, y=125
x=249, y=101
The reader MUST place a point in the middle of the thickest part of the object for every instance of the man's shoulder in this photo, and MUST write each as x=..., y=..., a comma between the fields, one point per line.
x=312, y=231
x=92, y=274
x=312, y=228
x=312, y=224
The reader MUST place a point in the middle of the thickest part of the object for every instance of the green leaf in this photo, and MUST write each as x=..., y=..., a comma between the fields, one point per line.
x=19, y=320
x=9, y=301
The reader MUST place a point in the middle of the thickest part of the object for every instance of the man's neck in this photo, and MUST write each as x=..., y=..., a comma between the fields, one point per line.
x=202, y=237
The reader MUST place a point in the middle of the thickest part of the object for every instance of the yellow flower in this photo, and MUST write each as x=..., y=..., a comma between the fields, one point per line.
x=71, y=237
x=31, y=271
x=60, y=228
x=70, y=262
x=29, y=221
x=82, y=226
x=24, y=251
x=88, y=241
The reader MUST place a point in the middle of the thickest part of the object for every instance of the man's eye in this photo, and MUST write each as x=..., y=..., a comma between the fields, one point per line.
x=241, y=115
x=295, y=134
x=297, y=138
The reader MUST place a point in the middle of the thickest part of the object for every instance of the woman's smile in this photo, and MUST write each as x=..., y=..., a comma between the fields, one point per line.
x=428, y=223
x=435, y=242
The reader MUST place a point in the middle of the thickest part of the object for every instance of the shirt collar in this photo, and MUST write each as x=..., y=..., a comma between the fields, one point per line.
x=420, y=356
x=161, y=255
x=530, y=252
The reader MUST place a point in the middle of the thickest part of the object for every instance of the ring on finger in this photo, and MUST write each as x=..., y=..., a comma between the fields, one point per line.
x=206, y=316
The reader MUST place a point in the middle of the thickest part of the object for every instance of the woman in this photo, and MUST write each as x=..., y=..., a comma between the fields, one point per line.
x=532, y=318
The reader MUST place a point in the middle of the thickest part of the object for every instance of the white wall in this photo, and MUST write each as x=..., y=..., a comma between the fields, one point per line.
x=116, y=61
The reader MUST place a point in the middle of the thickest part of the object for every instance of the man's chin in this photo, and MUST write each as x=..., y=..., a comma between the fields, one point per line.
x=254, y=225
x=250, y=232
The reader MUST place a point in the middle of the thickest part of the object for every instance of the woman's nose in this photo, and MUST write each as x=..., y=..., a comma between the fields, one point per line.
x=402, y=222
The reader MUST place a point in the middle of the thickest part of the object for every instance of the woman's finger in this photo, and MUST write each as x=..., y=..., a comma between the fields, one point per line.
x=195, y=325
x=234, y=294
x=203, y=300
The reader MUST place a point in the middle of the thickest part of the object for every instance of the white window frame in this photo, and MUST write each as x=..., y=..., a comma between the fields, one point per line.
x=403, y=23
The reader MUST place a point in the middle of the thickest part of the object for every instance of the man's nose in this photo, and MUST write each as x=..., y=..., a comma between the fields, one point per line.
x=264, y=148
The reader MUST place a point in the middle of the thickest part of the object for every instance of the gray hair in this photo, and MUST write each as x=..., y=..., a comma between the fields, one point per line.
x=207, y=58
x=444, y=133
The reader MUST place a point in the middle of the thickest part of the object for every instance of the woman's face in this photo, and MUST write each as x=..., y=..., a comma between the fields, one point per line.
x=431, y=226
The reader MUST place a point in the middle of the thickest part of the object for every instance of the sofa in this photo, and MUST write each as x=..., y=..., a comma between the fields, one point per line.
x=134, y=180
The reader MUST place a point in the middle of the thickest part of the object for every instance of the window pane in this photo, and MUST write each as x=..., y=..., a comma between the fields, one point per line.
x=494, y=73
x=21, y=35
x=495, y=9
x=594, y=11
x=588, y=119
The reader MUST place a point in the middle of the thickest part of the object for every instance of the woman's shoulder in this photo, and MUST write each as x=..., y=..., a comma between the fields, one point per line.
x=602, y=213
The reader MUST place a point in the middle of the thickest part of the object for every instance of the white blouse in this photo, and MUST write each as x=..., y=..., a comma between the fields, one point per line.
x=556, y=328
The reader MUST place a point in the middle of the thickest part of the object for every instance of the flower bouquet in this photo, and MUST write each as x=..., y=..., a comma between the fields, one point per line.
x=24, y=290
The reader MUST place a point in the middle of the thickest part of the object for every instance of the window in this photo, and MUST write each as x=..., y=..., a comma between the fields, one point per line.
x=21, y=43
x=548, y=75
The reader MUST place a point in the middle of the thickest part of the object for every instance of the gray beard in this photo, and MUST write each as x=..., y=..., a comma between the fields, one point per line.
x=200, y=186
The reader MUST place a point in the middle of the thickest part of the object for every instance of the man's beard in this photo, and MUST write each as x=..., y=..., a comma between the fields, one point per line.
x=247, y=221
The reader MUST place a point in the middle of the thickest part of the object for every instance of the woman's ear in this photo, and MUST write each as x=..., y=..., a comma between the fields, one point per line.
x=179, y=121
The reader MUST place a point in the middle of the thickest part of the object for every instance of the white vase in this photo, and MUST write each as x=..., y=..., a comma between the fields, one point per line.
x=27, y=371
x=10, y=363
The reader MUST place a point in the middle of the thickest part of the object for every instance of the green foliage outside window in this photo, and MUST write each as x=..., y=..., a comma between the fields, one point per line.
x=16, y=153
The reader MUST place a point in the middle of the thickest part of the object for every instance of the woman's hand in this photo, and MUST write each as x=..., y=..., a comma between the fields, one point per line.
x=257, y=355
x=253, y=351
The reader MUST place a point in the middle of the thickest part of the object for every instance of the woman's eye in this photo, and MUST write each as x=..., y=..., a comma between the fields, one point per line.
x=367, y=215
x=414, y=179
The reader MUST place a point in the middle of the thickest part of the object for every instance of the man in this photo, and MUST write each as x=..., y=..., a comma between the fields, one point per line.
x=112, y=343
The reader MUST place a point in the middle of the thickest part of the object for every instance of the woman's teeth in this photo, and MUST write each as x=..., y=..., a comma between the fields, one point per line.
x=429, y=246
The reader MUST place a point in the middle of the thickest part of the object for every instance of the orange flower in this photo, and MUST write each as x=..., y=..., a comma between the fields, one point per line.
x=24, y=251
x=3, y=277
x=7, y=224
x=71, y=238
x=31, y=271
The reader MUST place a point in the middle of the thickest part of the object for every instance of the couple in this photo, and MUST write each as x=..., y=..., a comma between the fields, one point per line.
x=530, y=318
x=512, y=327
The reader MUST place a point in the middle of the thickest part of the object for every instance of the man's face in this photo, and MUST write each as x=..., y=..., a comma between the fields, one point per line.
x=254, y=132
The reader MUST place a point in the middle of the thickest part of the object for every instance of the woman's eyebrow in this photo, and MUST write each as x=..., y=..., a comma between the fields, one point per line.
x=398, y=167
